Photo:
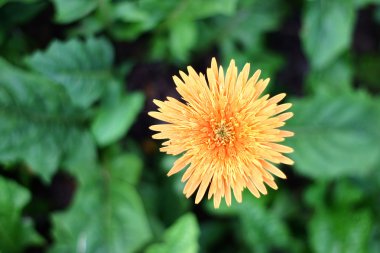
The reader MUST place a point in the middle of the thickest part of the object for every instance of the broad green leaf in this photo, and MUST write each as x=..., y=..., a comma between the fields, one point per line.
x=82, y=67
x=127, y=167
x=131, y=31
x=71, y=10
x=340, y=231
x=335, y=135
x=176, y=18
x=25, y=9
x=242, y=36
x=90, y=26
x=159, y=49
x=340, y=194
x=107, y=215
x=113, y=121
x=80, y=159
x=3, y=2
x=261, y=221
x=375, y=243
x=197, y=9
x=327, y=30
x=364, y=3
x=16, y=232
x=37, y=121
x=269, y=63
x=129, y=12
x=213, y=7
x=132, y=18
x=336, y=78
x=260, y=225
x=239, y=29
x=315, y=195
x=180, y=237
x=183, y=37
x=346, y=194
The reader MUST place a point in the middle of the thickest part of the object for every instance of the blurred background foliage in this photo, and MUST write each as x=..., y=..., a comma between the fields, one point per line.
x=79, y=172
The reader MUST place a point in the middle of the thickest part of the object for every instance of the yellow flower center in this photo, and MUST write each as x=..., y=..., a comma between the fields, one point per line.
x=223, y=133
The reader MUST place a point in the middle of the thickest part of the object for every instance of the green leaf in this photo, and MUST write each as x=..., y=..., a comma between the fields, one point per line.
x=3, y=2
x=183, y=37
x=213, y=7
x=269, y=63
x=197, y=9
x=335, y=135
x=129, y=32
x=90, y=26
x=113, y=121
x=364, y=3
x=336, y=78
x=235, y=42
x=315, y=195
x=71, y=10
x=340, y=231
x=16, y=232
x=37, y=121
x=82, y=67
x=346, y=194
x=129, y=12
x=180, y=237
x=134, y=18
x=26, y=10
x=340, y=194
x=80, y=159
x=327, y=30
x=265, y=15
x=107, y=215
x=260, y=225
x=375, y=243
x=126, y=167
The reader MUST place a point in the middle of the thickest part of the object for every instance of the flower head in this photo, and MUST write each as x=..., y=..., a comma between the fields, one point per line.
x=226, y=132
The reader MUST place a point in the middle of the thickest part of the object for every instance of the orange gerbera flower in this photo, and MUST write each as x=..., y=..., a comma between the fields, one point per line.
x=226, y=132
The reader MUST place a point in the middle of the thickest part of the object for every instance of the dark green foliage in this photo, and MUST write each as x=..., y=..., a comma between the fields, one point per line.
x=335, y=78
x=15, y=232
x=96, y=221
x=38, y=122
x=80, y=173
x=331, y=20
x=336, y=135
x=114, y=120
x=180, y=237
x=82, y=68
x=343, y=231
x=68, y=11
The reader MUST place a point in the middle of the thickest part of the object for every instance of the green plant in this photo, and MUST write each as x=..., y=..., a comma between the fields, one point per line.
x=80, y=173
